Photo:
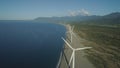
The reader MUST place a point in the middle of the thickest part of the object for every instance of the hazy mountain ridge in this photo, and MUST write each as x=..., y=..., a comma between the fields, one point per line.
x=110, y=18
x=66, y=18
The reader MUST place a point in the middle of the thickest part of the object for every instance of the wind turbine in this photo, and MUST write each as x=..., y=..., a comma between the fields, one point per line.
x=71, y=32
x=72, y=58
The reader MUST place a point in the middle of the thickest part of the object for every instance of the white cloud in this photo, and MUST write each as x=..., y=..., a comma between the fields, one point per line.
x=82, y=12
x=72, y=13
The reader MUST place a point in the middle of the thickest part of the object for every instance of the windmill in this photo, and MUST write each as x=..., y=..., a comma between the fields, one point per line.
x=71, y=28
x=72, y=58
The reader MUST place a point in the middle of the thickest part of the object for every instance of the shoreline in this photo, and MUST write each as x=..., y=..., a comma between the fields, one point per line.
x=81, y=60
x=61, y=54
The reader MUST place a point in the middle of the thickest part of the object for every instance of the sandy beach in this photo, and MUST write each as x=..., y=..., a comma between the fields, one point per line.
x=81, y=61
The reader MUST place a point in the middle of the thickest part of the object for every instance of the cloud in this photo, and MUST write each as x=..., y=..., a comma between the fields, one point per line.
x=72, y=13
x=81, y=12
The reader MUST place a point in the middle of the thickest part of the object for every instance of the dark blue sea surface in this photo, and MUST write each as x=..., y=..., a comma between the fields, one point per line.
x=27, y=44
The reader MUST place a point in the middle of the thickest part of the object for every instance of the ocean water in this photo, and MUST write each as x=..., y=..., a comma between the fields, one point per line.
x=27, y=44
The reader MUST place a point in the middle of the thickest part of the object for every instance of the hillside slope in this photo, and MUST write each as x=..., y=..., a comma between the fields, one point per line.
x=105, y=42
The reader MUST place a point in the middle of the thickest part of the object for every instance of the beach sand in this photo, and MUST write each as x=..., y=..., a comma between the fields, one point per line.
x=80, y=60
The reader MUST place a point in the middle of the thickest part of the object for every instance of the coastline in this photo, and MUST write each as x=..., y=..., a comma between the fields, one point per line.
x=81, y=60
x=61, y=54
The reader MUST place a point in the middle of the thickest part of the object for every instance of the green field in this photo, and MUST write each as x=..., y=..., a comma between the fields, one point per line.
x=105, y=41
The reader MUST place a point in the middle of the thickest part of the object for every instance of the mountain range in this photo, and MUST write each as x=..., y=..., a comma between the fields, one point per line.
x=109, y=18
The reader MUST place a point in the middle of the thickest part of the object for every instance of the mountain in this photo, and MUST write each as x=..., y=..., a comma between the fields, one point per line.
x=112, y=18
x=66, y=18
x=113, y=15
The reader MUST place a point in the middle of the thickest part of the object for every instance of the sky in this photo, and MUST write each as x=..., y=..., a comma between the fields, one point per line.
x=31, y=9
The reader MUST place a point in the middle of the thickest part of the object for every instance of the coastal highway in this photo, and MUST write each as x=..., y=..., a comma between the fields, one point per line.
x=80, y=60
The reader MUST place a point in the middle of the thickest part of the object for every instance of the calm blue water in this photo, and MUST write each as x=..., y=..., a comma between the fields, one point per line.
x=25, y=44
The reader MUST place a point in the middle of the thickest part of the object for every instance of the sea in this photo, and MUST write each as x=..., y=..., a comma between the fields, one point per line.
x=30, y=44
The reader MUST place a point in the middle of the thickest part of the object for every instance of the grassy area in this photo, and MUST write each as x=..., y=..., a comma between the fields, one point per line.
x=105, y=42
